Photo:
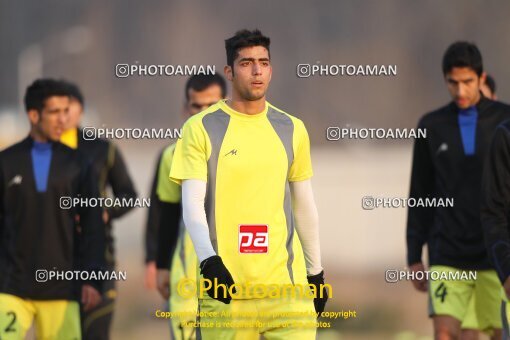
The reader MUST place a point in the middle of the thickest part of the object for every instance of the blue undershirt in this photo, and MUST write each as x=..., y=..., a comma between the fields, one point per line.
x=41, y=160
x=467, y=124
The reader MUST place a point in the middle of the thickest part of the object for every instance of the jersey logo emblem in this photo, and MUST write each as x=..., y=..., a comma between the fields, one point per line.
x=231, y=152
x=16, y=180
x=253, y=239
x=442, y=148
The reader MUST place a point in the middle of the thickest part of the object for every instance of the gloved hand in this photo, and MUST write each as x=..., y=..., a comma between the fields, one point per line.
x=319, y=302
x=213, y=268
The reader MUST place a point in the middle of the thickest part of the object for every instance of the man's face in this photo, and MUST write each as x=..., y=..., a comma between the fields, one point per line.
x=74, y=114
x=464, y=85
x=50, y=122
x=251, y=73
x=201, y=100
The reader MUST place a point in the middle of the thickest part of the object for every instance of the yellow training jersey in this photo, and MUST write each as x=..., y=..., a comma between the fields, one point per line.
x=70, y=138
x=184, y=261
x=166, y=190
x=248, y=162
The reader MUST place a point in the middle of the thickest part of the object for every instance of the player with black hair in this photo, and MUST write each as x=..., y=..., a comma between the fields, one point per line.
x=245, y=169
x=111, y=173
x=38, y=177
x=168, y=246
x=448, y=164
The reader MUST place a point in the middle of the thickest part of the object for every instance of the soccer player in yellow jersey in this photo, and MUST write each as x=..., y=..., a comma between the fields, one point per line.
x=175, y=256
x=248, y=206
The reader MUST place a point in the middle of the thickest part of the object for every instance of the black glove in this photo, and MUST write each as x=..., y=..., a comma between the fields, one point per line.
x=319, y=302
x=213, y=268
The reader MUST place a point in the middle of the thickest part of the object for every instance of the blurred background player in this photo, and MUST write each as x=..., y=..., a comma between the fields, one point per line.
x=248, y=164
x=495, y=212
x=488, y=88
x=168, y=245
x=111, y=173
x=495, y=206
x=448, y=164
x=37, y=228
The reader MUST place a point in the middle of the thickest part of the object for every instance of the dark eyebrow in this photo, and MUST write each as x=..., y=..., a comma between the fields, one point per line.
x=253, y=59
x=460, y=81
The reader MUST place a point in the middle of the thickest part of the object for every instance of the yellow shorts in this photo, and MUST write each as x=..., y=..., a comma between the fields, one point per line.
x=184, y=267
x=54, y=319
x=250, y=318
x=476, y=303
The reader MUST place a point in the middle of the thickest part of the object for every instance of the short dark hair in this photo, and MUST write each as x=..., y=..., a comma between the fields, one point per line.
x=491, y=83
x=463, y=54
x=200, y=82
x=74, y=92
x=42, y=89
x=244, y=38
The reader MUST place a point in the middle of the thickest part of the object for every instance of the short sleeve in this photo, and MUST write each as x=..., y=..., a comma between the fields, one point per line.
x=191, y=153
x=167, y=190
x=301, y=168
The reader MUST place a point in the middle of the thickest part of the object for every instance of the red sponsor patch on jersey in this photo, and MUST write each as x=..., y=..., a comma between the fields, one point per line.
x=253, y=239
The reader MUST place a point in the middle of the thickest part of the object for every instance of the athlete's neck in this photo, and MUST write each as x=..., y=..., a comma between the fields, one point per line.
x=38, y=137
x=249, y=107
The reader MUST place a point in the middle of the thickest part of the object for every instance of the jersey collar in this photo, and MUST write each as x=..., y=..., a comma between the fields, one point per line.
x=225, y=107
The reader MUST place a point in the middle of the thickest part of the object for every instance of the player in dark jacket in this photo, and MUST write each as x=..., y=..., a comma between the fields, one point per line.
x=111, y=172
x=448, y=164
x=38, y=178
x=496, y=211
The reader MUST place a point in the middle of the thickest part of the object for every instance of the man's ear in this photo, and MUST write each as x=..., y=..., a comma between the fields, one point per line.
x=34, y=116
x=483, y=78
x=228, y=73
